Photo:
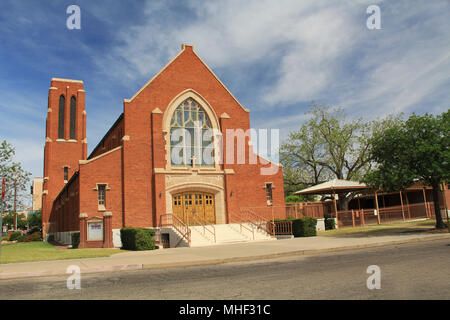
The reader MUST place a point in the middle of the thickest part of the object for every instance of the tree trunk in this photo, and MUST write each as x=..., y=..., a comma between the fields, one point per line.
x=343, y=202
x=437, y=210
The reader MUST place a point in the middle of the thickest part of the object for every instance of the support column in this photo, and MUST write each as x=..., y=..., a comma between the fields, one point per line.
x=83, y=230
x=224, y=121
x=158, y=161
x=425, y=202
x=401, y=203
x=107, y=230
x=378, y=209
x=353, y=218
x=335, y=208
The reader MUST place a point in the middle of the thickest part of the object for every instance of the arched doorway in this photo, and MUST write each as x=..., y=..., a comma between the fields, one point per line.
x=192, y=206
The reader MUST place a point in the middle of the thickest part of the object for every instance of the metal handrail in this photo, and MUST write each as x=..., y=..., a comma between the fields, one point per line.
x=187, y=231
x=205, y=226
x=260, y=222
x=242, y=225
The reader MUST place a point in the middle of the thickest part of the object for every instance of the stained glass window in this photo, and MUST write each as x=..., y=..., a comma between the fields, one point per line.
x=191, y=135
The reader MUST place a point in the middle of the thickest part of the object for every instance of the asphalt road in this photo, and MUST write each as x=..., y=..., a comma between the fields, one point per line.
x=409, y=271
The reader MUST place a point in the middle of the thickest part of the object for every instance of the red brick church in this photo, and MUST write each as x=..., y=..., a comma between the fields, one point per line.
x=151, y=163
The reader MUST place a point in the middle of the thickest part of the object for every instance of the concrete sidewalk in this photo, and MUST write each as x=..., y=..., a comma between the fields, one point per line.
x=184, y=257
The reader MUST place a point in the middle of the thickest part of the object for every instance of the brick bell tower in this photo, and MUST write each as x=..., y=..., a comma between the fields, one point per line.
x=65, y=141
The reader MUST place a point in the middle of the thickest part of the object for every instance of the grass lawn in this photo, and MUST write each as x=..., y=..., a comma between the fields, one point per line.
x=394, y=227
x=42, y=251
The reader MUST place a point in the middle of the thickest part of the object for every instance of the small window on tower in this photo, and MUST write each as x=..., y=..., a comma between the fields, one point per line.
x=66, y=173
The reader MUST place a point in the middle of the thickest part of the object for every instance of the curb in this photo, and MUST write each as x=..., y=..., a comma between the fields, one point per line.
x=291, y=253
x=131, y=267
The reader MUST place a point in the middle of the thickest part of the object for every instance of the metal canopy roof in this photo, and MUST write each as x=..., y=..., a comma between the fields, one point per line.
x=334, y=186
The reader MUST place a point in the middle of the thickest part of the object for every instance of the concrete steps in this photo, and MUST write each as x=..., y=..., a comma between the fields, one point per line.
x=226, y=234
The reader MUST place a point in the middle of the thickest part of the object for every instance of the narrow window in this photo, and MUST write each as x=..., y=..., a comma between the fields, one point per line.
x=62, y=107
x=269, y=192
x=73, y=117
x=102, y=195
x=66, y=173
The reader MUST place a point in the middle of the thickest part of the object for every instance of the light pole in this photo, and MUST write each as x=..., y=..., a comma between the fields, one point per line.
x=15, y=204
x=1, y=215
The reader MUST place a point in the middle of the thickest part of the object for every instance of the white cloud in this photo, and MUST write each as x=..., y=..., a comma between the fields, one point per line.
x=319, y=50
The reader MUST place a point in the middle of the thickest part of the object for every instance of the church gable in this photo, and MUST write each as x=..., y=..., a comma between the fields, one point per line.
x=187, y=71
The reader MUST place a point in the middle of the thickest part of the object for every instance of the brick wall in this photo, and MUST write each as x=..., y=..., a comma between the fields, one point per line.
x=61, y=152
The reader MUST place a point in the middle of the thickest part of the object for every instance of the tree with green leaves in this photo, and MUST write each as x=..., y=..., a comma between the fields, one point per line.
x=16, y=178
x=10, y=219
x=417, y=149
x=34, y=220
x=329, y=146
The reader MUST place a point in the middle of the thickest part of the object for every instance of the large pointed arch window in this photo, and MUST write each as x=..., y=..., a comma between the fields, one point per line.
x=191, y=136
x=62, y=108
x=73, y=117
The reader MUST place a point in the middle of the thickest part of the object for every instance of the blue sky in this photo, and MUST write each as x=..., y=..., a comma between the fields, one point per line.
x=274, y=56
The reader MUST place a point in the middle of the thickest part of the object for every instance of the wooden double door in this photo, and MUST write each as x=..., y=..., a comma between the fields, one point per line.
x=194, y=207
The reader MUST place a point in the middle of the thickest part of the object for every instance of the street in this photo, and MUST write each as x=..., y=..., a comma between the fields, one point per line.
x=409, y=271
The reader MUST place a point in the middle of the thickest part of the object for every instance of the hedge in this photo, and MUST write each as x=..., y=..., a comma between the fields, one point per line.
x=75, y=240
x=137, y=239
x=34, y=230
x=304, y=227
x=33, y=237
x=330, y=223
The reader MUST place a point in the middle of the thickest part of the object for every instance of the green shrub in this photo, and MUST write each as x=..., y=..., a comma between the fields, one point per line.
x=15, y=235
x=301, y=227
x=75, y=240
x=330, y=223
x=137, y=239
x=34, y=230
x=22, y=238
x=33, y=237
x=304, y=227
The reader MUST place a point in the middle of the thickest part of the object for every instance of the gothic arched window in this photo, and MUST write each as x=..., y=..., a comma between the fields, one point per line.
x=73, y=117
x=191, y=135
x=62, y=108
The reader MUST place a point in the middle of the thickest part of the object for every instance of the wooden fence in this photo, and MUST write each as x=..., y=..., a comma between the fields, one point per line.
x=348, y=218
x=363, y=217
